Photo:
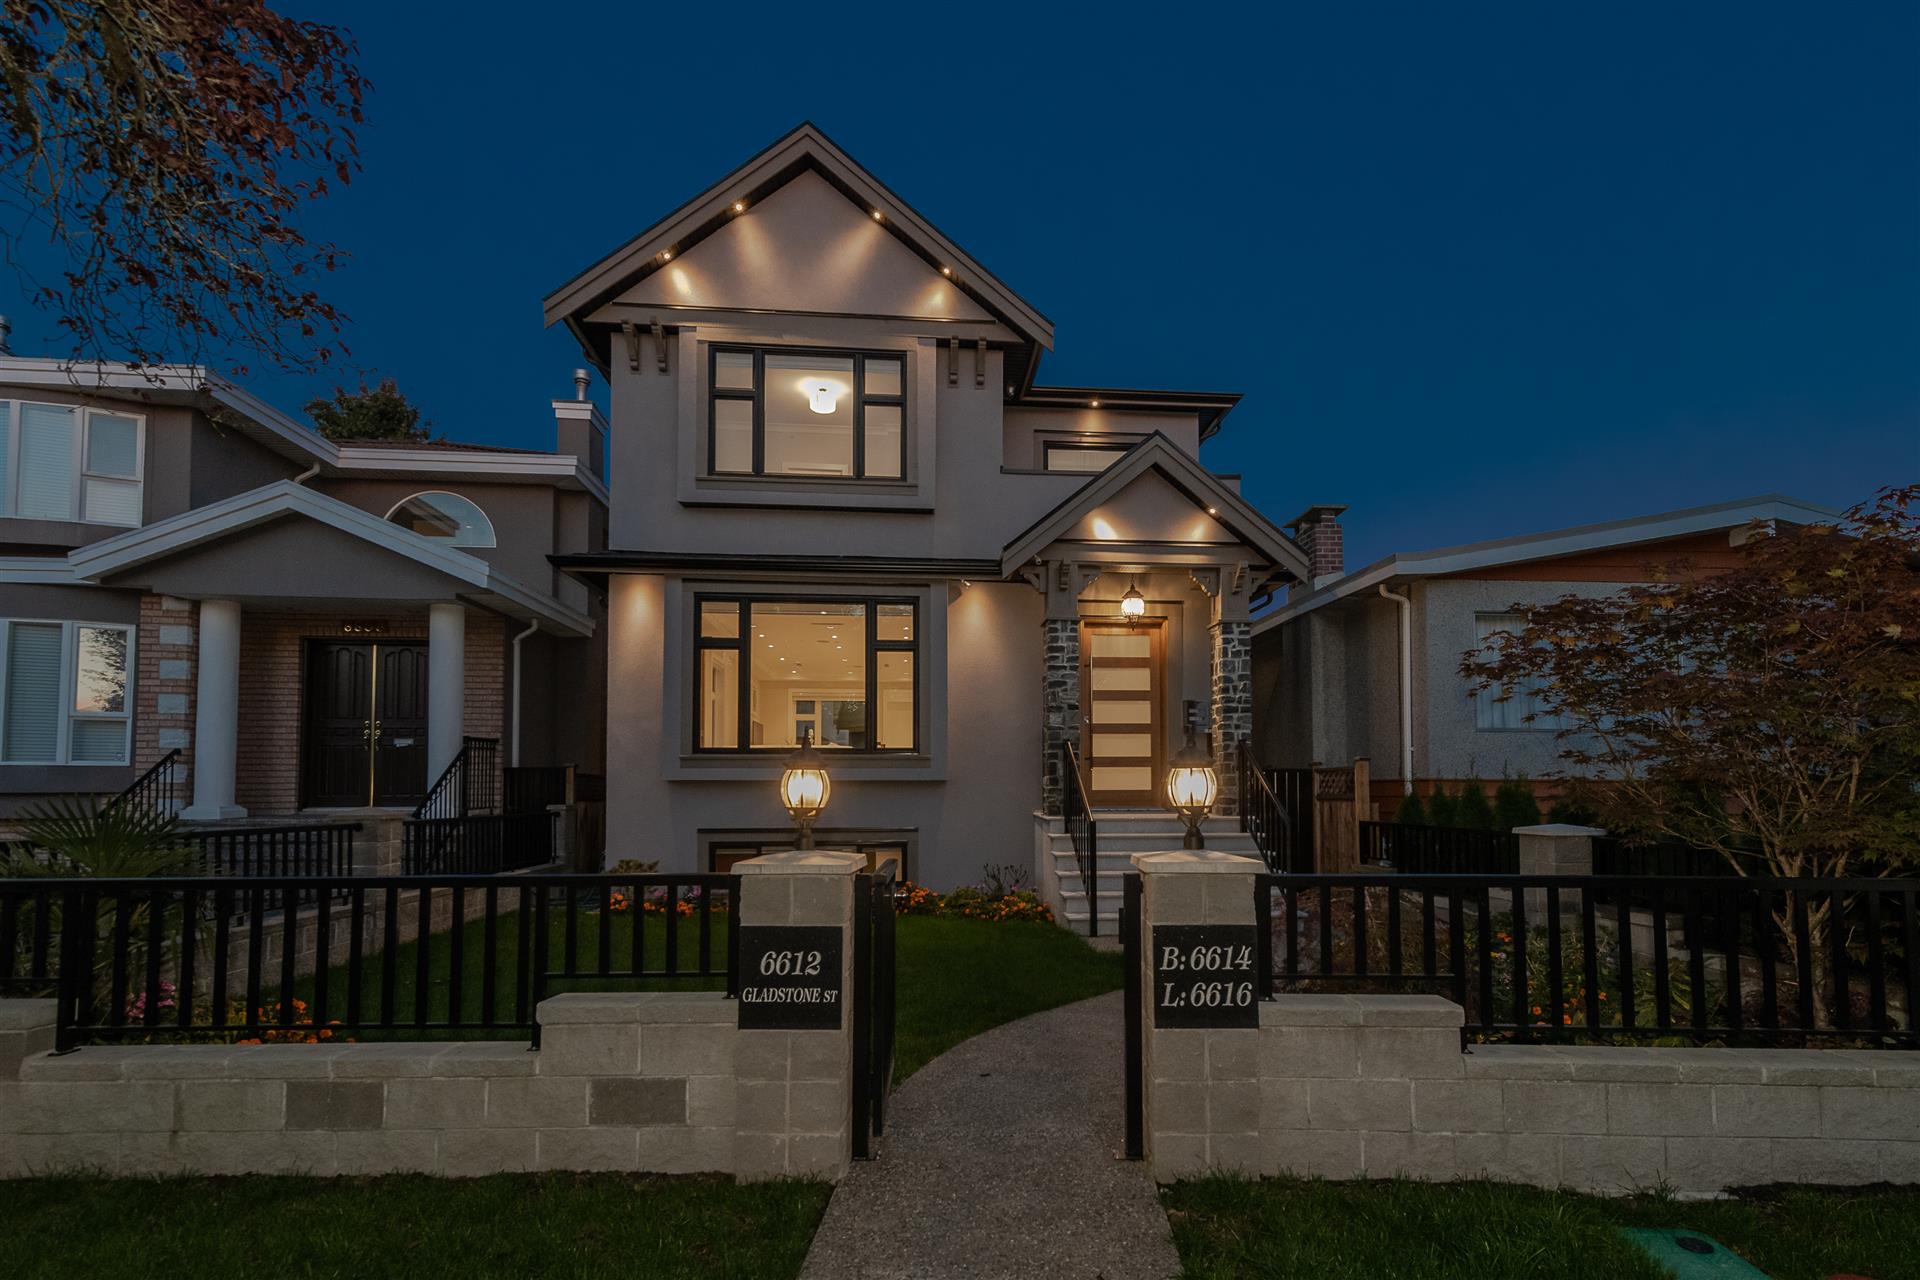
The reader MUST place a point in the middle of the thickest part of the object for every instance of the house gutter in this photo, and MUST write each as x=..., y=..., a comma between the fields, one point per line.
x=513, y=754
x=1405, y=603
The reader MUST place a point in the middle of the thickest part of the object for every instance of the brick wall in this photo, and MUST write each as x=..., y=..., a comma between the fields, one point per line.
x=272, y=658
x=166, y=645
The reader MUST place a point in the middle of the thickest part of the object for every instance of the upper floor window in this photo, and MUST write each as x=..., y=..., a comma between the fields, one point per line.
x=1068, y=456
x=1492, y=713
x=448, y=517
x=65, y=462
x=65, y=692
x=841, y=673
x=784, y=411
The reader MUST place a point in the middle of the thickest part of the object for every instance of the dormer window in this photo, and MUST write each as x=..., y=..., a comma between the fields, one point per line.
x=445, y=517
x=804, y=413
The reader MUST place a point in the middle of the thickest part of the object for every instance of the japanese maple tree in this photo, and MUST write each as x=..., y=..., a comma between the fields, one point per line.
x=155, y=155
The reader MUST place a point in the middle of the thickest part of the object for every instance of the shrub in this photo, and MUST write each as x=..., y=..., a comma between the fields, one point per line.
x=1002, y=897
x=1471, y=809
x=1411, y=811
x=1441, y=807
x=1514, y=805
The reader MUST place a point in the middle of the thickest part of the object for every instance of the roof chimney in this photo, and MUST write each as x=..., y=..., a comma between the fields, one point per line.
x=580, y=384
x=1317, y=532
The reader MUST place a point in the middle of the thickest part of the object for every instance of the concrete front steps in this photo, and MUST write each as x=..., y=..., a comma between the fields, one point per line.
x=1123, y=833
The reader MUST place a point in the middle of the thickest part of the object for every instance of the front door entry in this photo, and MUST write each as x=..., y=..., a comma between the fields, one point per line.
x=366, y=724
x=1120, y=720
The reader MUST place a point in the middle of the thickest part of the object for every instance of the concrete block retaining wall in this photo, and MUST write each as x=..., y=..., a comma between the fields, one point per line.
x=657, y=1082
x=1377, y=1086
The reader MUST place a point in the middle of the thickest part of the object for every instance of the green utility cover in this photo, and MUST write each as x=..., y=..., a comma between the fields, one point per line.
x=1692, y=1256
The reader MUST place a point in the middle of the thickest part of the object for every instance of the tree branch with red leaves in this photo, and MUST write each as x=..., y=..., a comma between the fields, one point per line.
x=158, y=152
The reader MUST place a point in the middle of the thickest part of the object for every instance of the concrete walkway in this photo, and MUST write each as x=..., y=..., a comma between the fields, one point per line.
x=1001, y=1158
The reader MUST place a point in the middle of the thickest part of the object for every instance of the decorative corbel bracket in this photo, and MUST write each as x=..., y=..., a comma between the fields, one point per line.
x=632, y=336
x=660, y=344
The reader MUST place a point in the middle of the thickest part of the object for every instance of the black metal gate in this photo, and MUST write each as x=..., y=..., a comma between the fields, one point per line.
x=1136, y=1059
x=873, y=1009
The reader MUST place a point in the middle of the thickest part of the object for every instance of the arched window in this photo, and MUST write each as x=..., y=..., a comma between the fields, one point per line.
x=446, y=516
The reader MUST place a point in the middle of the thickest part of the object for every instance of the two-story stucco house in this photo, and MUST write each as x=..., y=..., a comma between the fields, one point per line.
x=310, y=625
x=844, y=508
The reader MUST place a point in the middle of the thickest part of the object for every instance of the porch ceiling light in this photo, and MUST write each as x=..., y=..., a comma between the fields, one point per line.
x=1192, y=787
x=804, y=788
x=1133, y=604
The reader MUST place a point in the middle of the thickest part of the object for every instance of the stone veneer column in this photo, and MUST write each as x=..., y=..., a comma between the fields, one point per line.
x=793, y=1095
x=1060, y=704
x=1232, y=720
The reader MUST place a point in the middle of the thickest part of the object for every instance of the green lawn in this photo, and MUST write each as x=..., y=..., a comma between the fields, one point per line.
x=519, y=1226
x=1288, y=1228
x=961, y=977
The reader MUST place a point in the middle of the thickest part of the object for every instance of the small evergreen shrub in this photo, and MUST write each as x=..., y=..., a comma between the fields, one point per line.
x=1411, y=811
x=1441, y=807
x=1514, y=805
x=1573, y=812
x=1471, y=809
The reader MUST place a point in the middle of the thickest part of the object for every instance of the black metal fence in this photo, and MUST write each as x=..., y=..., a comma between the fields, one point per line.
x=216, y=959
x=1571, y=958
x=480, y=843
x=529, y=788
x=1276, y=809
x=873, y=1008
x=1428, y=850
x=157, y=791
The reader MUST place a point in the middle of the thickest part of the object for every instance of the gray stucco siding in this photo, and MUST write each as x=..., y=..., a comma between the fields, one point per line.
x=968, y=798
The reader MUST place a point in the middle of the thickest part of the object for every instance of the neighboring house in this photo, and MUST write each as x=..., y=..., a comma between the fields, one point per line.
x=1328, y=664
x=844, y=509
x=312, y=625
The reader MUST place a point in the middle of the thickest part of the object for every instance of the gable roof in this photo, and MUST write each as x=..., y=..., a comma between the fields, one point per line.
x=206, y=525
x=803, y=149
x=1160, y=455
x=1554, y=545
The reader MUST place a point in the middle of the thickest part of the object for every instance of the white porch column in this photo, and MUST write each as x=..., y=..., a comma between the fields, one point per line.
x=216, y=713
x=446, y=685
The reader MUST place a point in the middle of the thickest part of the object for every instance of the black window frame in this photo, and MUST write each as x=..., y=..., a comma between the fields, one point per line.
x=862, y=398
x=738, y=644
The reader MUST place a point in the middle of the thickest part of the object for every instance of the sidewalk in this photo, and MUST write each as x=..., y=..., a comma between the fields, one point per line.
x=1001, y=1159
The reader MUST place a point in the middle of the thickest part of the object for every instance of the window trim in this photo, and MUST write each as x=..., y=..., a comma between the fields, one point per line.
x=757, y=397
x=493, y=536
x=10, y=418
x=69, y=693
x=743, y=699
x=1048, y=446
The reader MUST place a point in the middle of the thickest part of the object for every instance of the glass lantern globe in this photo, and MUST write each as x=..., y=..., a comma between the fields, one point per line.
x=804, y=788
x=1133, y=604
x=1192, y=787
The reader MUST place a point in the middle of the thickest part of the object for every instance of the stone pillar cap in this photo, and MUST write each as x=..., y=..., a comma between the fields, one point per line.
x=819, y=862
x=1559, y=829
x=1197, y=860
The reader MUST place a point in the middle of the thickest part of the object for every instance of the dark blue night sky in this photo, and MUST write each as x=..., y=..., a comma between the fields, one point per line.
x=1479, y=270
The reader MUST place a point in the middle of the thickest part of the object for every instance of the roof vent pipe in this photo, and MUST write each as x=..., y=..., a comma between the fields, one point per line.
x=580, y=384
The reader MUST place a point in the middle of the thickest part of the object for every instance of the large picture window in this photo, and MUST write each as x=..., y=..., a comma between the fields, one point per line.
x=64, y=462
x=842, y=672
x=65, y=692
x=785, y=411
x=1492, y=714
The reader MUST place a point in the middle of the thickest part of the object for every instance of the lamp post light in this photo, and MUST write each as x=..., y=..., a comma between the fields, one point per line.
x=804, y=788
x=1192, y=787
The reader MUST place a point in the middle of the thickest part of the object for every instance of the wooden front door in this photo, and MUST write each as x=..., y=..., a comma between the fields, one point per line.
x=1121, y=693
x=365, y=740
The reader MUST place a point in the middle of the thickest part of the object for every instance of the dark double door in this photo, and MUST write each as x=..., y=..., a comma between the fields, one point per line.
x=365, y=739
